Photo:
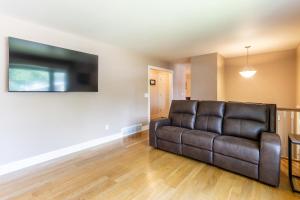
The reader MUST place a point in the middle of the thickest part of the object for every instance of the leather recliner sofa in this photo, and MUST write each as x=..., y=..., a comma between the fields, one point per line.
x=239, y=137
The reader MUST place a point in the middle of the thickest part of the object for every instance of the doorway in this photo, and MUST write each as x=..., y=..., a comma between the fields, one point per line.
x=160, y=90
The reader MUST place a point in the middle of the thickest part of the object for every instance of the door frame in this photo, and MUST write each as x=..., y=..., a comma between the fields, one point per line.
x=151, y=67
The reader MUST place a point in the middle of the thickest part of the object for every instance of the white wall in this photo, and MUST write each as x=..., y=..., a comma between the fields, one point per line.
x=36, y=123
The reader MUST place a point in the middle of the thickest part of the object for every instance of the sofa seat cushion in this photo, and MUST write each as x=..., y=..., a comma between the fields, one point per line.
x=170, y=133
x=240, y=148
x=199, y=139
x=236, y=165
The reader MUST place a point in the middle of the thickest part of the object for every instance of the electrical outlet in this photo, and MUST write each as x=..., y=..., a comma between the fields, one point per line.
x=106, y=127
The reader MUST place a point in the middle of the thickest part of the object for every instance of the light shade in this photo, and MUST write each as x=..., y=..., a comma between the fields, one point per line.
x=247, y=73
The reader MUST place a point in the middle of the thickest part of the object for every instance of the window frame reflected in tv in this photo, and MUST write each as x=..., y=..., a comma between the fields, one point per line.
x=37, y=67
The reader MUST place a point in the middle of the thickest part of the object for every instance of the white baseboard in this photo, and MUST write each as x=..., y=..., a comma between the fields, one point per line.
x=28, y=162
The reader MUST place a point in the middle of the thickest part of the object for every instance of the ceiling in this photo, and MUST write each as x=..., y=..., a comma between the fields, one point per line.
x=171, y=29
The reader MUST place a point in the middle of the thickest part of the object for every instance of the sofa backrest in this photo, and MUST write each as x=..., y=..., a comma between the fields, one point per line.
x=246, y=120
x=183, y=113
x=209, y=116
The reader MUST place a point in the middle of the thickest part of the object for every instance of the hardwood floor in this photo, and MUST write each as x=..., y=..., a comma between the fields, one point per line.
x=130, y=169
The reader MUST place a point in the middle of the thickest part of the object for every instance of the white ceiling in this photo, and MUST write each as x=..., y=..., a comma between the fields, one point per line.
x=171, y=29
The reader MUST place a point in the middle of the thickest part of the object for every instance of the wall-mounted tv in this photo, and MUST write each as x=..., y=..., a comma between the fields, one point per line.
x=36, y=67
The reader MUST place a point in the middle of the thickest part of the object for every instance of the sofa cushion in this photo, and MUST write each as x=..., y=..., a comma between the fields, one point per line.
x=183, y=113
x=245, y=120
x=210, y=116
x=199, y=139
x=197, y=153
x=170, y=133
x=169, y=146
x=236, y=165
x=240, y=148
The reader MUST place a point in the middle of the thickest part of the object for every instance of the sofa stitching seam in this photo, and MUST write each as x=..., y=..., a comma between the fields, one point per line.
x=237, y=158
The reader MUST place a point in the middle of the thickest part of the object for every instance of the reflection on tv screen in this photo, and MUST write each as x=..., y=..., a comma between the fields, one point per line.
x=38, y=67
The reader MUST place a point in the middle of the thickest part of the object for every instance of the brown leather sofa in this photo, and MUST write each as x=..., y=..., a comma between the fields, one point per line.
x=239, y=137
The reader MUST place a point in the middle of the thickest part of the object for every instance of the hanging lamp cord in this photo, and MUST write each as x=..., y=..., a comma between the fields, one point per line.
x=247, y=47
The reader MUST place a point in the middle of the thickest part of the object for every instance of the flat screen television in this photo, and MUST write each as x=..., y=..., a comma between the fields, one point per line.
x=36, y=67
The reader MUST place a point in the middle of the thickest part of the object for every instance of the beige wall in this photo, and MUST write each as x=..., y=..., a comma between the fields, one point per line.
x=220, y=78
x=274, y=82
x=298, y=89
x=204, y=77
x=298, y=77
x=36, y=123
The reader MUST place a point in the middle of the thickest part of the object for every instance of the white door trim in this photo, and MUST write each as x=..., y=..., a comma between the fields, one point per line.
x=171, y=86
x=159, y=68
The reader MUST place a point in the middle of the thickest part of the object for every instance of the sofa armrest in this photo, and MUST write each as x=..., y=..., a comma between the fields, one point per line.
x=154, y=125
x=269, y=165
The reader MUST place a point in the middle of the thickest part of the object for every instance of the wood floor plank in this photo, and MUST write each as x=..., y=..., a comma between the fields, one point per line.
x=129, y=169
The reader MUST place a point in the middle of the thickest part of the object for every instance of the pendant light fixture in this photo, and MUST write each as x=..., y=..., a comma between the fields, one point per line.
x=247, y=71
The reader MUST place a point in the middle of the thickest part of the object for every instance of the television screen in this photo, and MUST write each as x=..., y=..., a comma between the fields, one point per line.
x=36, y=67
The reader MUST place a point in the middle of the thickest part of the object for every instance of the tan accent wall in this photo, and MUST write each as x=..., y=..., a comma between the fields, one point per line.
x=298, y=77
x=298, y=89
x=274, y=82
